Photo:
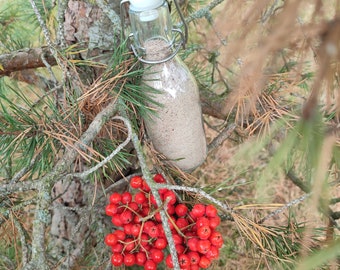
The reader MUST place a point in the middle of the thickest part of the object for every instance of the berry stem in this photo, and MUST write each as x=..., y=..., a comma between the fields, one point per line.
x=129, y=208
x=175, y=226
x=152, y=214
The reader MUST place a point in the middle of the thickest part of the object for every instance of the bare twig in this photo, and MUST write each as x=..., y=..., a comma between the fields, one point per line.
x=23, y=171
x=306, y=188
x=42, y=25
x=49, y=42
x=62, y=5
x=54, y=89
x=50, y=71
x=283, y=208
x=5, y=213
x=221, y=137
x=271, y=10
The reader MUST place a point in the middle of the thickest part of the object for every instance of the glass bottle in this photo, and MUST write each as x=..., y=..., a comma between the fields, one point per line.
x=176, y=130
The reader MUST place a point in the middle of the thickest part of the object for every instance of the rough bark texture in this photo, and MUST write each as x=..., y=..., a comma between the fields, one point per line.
x=88, y=24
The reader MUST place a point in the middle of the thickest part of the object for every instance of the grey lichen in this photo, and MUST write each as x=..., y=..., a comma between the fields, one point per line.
x=44, y=216
x=100, y=35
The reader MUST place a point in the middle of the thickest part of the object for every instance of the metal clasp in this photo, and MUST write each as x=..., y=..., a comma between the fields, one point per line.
x=182, y=42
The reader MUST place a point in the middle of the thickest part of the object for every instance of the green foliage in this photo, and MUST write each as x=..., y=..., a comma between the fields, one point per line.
x=19, y=26
x=11, y=38
x=22, y=137
x=129, y=86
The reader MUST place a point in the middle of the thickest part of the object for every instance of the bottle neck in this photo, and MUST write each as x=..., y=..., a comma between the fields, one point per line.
x=152, y=31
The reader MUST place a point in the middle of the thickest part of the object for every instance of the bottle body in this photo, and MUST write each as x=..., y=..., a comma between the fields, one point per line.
x=176, y=130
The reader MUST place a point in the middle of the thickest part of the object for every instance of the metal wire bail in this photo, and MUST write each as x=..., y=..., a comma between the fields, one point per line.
x=182, y=42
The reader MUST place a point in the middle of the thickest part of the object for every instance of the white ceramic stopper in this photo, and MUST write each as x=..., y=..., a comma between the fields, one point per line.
x=143, y=5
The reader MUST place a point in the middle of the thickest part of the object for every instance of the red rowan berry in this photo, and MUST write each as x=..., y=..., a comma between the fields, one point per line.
x=136, y=182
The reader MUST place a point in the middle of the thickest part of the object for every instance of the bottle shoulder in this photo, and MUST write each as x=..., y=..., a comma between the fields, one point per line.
x=174, y=71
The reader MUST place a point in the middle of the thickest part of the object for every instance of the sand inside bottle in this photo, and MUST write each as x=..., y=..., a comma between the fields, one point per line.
x=177, y=129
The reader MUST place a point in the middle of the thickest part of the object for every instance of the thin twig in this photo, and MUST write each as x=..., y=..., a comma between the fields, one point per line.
x=306, y=188
x=49, y=42
x=5, y=213
x=283, y=208
x=221, y=137
x=23, y=171
x=54, y=89
x=271, y=10
x=62, y=5
x=50, y=71
x=43, y=26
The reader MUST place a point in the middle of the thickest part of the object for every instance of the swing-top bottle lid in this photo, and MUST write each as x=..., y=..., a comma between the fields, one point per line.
x=143, y=5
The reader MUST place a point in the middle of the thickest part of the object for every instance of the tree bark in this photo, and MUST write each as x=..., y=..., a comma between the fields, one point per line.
x=72, y=215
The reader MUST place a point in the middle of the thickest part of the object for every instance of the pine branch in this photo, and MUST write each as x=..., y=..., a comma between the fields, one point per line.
x=35, y=58
x=25, y=59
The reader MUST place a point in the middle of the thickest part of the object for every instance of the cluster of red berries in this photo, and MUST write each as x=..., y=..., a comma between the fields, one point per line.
x=141, y=239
